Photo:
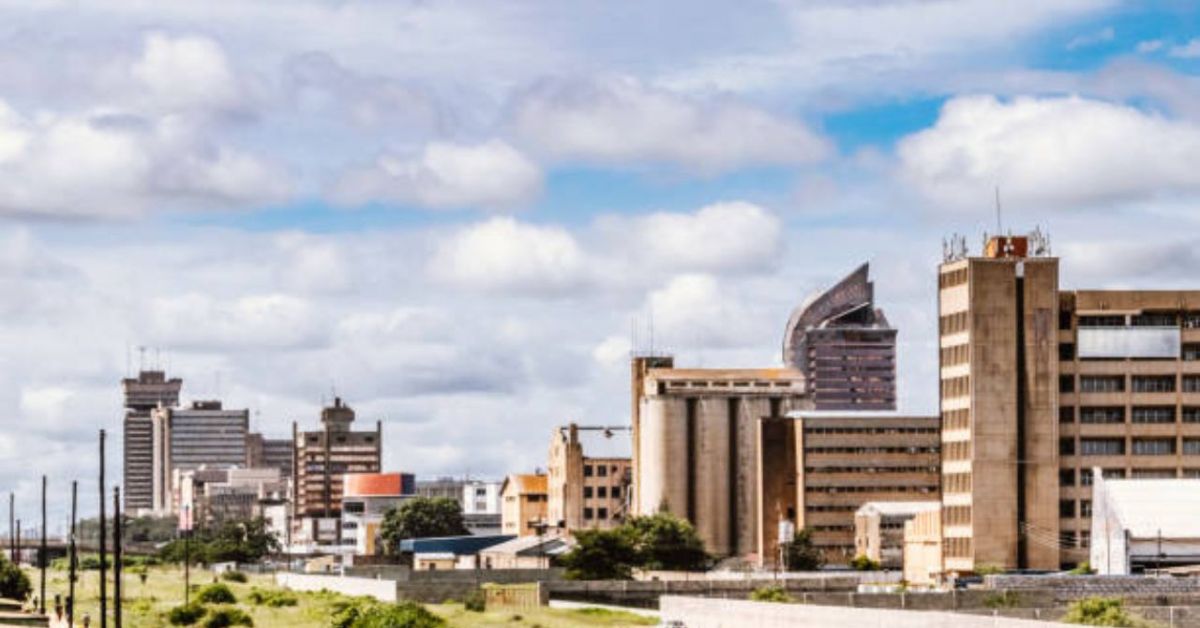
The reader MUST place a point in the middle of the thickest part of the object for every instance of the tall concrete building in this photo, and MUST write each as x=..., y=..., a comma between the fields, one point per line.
x=847, y=460
x=844, y=346
x=588, y=477
x=1040, y=385
x=274, y=453
x=715, y=446
x=149, y=390
x=203, y=435
x=321, y=460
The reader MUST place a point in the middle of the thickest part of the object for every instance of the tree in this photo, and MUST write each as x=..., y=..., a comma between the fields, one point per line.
x=801, y=554
x=601, y=555
x=666, y=542
x=422, y=517
x=14, y=584
x=235, y=541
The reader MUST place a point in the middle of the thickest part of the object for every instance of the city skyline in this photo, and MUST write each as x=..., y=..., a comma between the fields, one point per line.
x=450, y=236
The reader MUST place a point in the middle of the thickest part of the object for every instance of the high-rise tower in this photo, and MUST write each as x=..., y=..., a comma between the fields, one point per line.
x=147, y=391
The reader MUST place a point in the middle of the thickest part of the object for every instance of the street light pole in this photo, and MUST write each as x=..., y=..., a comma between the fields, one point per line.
x=42, y=553
x=72, y=559
x=103, y=547
x=117, y=556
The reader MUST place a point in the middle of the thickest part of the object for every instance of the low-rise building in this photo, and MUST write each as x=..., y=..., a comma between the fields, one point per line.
x=588, y=477
x=523, y=510
x=366, y=500
x=923, y=548
x=879, y=530
x=1143, y=524
x=525, y=552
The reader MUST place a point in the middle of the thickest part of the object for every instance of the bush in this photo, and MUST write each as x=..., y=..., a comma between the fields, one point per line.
x=367, y=613
x=1099, y=611
x=1082, y=569
x=216, y=594
x=475, y=601
x=227, y=616
x=862, y=563
x=1007, y=599
x=14, y=584
x=770, y=594
x=234, y=576
x=801, y=554
x=273, y=599
x=988, y=570
x=186, y=614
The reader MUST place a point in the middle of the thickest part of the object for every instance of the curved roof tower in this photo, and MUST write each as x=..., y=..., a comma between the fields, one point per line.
x=844, y=346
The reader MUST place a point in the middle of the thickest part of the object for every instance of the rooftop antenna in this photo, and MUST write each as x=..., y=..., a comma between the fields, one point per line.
x=158, y=358
x=999, y=222
x=651, y=329
x=128, y=360
x=141, y=357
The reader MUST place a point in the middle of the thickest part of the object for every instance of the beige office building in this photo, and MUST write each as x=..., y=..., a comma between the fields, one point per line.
x=1037, y=386
x=588, y=477
x=523, y=502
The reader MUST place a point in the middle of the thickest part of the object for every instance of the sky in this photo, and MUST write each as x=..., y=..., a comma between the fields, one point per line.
x=461, y=217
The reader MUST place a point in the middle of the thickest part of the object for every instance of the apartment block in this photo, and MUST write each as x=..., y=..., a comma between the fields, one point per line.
x=849, y=460
x=184, y=439
x=274, y=453
x=588, y=477
x=1039, y=385
x=716, y=447
x=320, y=462
x=844, y=346
x=149, y=390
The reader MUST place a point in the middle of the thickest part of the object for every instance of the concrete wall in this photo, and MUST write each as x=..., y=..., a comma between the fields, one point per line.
x=382, y=590
x=716, y=613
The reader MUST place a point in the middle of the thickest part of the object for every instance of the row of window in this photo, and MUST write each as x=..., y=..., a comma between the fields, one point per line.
x=953, y=278
x=1116, y=446
x=957, y=515
x=956, y=419
x=598, y=513
x=599, y=470
x=871, y=450
x=957, y=482
x=602, y=492
x=1116, y=414
x=956, y=387
x=1189, y=320
x=1116, y=383
x=903, y=488
x=871, y=430
x=956, y=547
x=1066, y=508
x=953, y=323
x=872, y=469
x=957, y=450
x=957, y=354
x=1066, y=477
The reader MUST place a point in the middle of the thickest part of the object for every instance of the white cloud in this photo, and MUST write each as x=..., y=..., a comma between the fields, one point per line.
x=731, y=237
x=1050, y=153
x=613, y=351
x=696, y=310
x=200, y=322
x=444, y=175
x=1150, y=45
x=504, y=255
x=1101, y=36
x=1189, y=50
x=185, y=72
x=117, y=165
x=621, y=120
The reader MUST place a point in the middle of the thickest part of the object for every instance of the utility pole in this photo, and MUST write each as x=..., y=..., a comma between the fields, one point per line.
x=103, y=548
x=42, y=552
x=71, y=560
x=12, y=530
x=117, y=556
x=18, y=561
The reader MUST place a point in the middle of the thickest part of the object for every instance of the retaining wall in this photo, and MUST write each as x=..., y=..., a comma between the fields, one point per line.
x=1071, y=587
x=718, y=613
x=382, y=590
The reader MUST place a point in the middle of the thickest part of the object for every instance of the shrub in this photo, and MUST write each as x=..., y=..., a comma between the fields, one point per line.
x=770, y=594
x=234, y=576
x=227, y=616
x=862, y=563
x=273, y=599
x=216, y=594
x=1099, y=611
x=14, y=584
x=988, y=570
x=800, y=554
x=186, y=614
x=475, y=601
x=1082, y=569
x=367, y=613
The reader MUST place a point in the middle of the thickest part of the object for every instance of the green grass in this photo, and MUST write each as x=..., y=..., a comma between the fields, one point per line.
x=146, y=605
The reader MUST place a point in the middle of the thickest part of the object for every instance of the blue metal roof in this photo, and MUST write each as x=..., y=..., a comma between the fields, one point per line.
x=457, y=545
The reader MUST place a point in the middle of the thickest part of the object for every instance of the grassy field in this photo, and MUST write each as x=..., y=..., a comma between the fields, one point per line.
x=145, y=605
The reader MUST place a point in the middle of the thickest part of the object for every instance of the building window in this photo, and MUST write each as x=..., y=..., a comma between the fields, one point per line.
x=587, y=513
x=1067, y=538
x=587, y=470
x=1102, y=383
x=1191, y=352
x=1066, y=351
x=1153, y=474
x=587, y=492
x=1102, y=321
x=1102, y=415
x=1066, y=446
x=602, y=471
x=602, y=513
x=1154, y=383
x=1085, y=508
x=1191, y=446
x=1066, y=383
x=1191, y=320
x=1191, y=383
x=616, y=492
x=1154, y=319
x=1154, y=414
x=602, y=492
x=1066, y=508
x=1066, y=414
x=1102, y=446
x=1153, y=446
x=1066, y=477
x=1085, y=477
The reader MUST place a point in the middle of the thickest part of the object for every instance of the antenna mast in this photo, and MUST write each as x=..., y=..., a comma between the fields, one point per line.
x=999, y=222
